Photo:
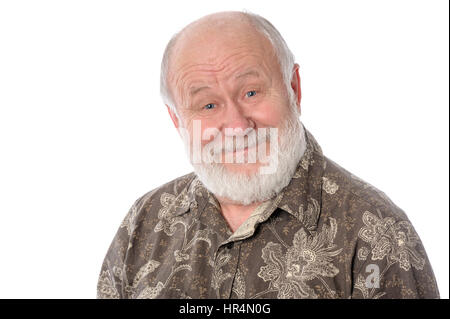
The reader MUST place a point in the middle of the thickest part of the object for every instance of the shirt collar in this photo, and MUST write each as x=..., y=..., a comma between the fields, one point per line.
x=302, y=197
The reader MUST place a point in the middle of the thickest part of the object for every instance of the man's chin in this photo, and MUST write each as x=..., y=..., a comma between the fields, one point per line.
x=248, y=169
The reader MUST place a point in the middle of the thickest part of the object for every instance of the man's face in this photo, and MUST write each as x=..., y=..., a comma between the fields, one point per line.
x=228, y=79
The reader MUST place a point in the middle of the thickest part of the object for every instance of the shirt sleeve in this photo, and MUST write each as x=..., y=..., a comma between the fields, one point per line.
x=112, y=281
x=394, y=264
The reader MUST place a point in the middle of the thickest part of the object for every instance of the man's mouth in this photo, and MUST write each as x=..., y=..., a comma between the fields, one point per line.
x=242, y=149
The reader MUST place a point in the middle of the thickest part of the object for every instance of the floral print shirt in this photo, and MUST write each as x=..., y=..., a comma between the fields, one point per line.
x=328, y=234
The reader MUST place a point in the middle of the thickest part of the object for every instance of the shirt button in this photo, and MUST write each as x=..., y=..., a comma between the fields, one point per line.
x=230, y=245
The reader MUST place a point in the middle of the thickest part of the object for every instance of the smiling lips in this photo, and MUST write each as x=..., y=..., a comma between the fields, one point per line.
x=235, y=148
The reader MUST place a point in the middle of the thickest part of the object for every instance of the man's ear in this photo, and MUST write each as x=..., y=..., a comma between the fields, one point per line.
x=173, y=116
x=295, y=84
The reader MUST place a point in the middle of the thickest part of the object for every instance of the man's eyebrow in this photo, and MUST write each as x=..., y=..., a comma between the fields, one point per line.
x=195, y=89
x=248, y=73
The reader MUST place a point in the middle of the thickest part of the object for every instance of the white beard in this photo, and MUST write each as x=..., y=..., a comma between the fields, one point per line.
x=245, y=189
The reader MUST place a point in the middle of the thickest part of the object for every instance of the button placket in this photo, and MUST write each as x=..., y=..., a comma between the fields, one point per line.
x=232, y=248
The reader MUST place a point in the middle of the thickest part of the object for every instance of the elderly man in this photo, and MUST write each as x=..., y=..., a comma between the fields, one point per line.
x=265, y=214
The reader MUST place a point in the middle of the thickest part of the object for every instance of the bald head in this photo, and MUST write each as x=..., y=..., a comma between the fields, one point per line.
x=218, y=21
x=215, y=35
x=210, y=39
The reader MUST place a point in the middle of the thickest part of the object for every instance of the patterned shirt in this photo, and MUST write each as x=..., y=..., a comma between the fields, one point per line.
x=328, y=234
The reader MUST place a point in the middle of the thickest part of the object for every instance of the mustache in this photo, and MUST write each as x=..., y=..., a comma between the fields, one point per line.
x=237, y=142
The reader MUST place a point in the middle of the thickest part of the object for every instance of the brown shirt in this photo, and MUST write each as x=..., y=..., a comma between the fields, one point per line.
x=328, y=234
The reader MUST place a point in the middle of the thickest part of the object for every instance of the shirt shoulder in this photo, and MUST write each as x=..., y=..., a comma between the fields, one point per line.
x=385, y=251
x=146, y=207
x=124, y=253
x=348, y=191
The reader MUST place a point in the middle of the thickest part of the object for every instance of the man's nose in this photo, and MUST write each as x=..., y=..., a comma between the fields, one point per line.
x=237, y=118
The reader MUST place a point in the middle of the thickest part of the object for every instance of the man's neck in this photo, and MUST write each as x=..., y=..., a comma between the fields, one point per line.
x=235, y=214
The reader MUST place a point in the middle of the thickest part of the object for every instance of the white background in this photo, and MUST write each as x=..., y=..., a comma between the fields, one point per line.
x=83, y=132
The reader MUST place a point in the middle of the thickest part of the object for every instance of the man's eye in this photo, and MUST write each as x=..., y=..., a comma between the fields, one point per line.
x=250, y=93
x=209, y=106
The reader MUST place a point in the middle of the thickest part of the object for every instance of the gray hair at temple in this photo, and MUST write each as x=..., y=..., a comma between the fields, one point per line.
x=283, y=53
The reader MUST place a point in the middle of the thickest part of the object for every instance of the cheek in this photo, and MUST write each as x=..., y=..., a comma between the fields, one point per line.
x=270, y=114
x=203, y=129
x=208, y=134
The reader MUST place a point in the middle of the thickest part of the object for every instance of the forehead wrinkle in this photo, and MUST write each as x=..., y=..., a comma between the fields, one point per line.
x=212, y=67
x=249, y=73
x=186, y=72
x=182, y=77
